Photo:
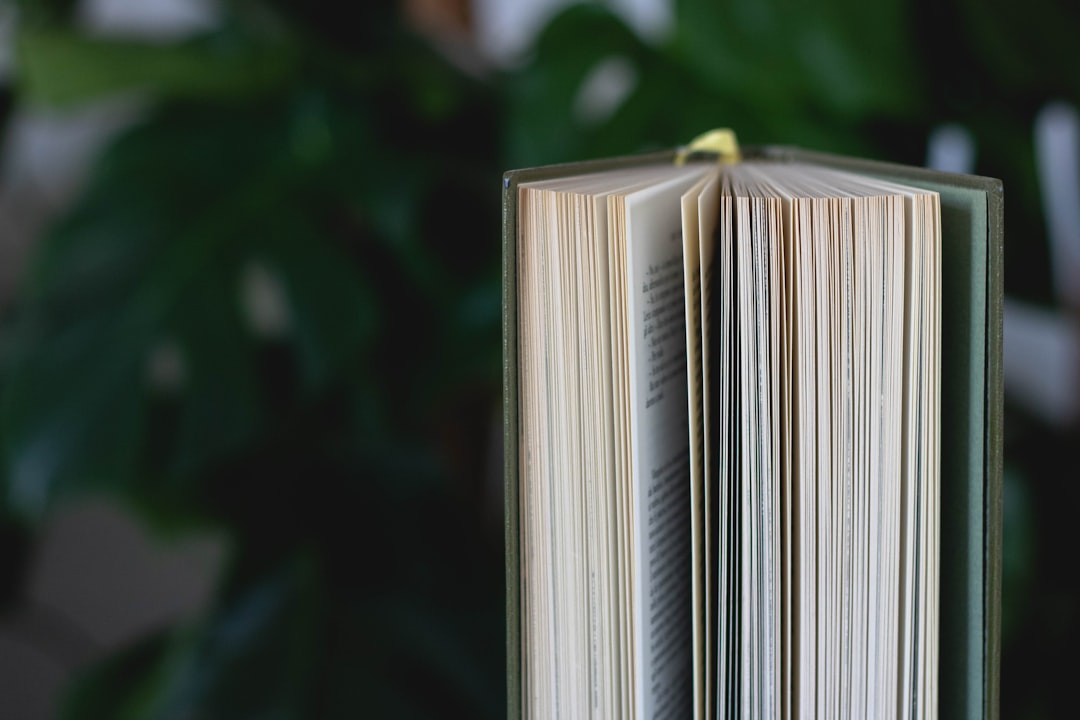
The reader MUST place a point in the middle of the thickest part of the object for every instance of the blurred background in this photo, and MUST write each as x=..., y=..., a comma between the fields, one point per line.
x=250, y=460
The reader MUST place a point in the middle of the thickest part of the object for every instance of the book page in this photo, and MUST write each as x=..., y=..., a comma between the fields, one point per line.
x=729, y=419
x=574, y=517
x=708, y=222
x=692, y=276
x=855, y=344
x=660, y=449
x=587, y=200
x=723, y=417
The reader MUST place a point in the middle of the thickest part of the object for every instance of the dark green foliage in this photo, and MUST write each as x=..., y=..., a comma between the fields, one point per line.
x=339, y=449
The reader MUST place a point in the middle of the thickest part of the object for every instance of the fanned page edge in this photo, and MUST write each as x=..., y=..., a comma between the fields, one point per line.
x=987, y=576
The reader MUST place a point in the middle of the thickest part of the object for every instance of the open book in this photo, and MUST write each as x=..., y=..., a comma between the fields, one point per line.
x=753, y=439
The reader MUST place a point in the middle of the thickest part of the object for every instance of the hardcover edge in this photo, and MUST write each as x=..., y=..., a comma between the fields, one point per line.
x=995, y=439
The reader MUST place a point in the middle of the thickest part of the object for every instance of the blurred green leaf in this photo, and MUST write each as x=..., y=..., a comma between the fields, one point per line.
x=60, y=68
x=542, y=127
x=123, y=687
x=253, y=658
x=1028, y=49
x=64, y=428
x=335, y=311
x=843, y=57
x=259, y=655
x=46, y=12
x=806, y=76
x=221, y=405
x=150, y=254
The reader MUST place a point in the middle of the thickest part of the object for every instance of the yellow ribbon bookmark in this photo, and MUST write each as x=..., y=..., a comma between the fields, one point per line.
x=720, y=142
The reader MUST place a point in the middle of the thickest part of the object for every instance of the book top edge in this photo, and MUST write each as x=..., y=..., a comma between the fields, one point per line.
x=780, y=153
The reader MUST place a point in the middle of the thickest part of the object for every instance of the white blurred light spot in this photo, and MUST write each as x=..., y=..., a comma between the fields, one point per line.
x=604, y=89
x=1042, y=362
x=264, y=302
x=53, y=150
x=1057, y=149
x=166, y=369
x=951, y=148
x=148, y=19
x=506, y=28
